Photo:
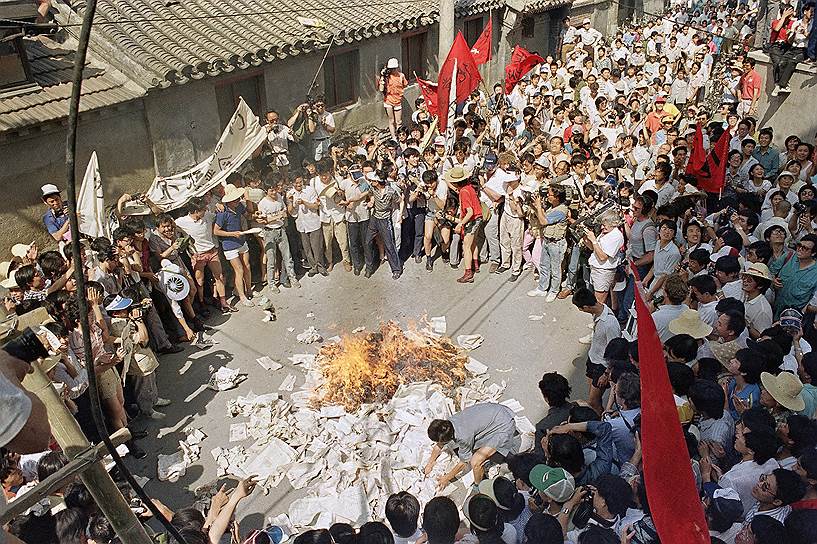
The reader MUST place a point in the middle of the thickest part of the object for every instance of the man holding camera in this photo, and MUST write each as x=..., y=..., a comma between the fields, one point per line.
x=56, y=218
x=320, y=124
x=277, y=143
x=554, y=242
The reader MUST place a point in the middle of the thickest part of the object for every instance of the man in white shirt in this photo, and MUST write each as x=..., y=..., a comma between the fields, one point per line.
x=198, y=224
x=277, y=143
x=333, y=215
x=512, y=227
x=355, y=196
x=759, y=315
x=272, y=215
x=303, y=205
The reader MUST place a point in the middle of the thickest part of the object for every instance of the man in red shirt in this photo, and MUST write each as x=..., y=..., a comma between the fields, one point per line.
x=749, y=85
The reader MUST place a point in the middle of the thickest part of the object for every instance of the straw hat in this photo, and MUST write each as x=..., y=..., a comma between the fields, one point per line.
x=689, y=322
x=231, y=193
x=786, y=389
x=758, y=270
x=21, y=250
x=457, y=174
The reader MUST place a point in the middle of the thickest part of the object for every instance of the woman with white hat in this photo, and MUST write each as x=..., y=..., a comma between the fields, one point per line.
x=392, y=84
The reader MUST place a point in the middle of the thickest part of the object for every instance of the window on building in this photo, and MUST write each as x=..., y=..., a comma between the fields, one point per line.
x=527, y=27
x=250, y=88
x=414, y=55
x=14, y=69
x=341, y=76
x=472, y=28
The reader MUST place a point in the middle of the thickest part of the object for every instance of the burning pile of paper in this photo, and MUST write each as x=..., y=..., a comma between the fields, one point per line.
x=369, y=367
x=366, y=436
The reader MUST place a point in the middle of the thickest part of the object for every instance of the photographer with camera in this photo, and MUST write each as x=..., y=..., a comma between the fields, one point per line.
x=319, y=123
x=392, y=83
x=553, y=220
x=276, y=143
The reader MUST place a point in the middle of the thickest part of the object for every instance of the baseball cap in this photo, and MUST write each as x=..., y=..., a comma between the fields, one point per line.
x=556, y=483
x=49, y=189
x=490, y=160
x=118, y=303
x=500, y=490
x=439, y=140
x=586, y=21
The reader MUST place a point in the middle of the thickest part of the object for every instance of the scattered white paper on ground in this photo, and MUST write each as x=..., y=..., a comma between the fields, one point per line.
x=310, y=315
x=171, y=467
x=334, y=340
x=475, y=367
x=307, y=359
x=268, y=364
x=290, y=329
x=513, y=404
x=536, y=317
x=225, y=378
x=288, y=384
x=438, y=324
x=358, y=329
x=309, y=336
x=470, y=341
x=523, y=425
x=238, y=432
x=504, y=369
x=468, y=479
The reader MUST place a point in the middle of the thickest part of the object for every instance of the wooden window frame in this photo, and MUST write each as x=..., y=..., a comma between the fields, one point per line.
x=354, y=79
x=404, y=54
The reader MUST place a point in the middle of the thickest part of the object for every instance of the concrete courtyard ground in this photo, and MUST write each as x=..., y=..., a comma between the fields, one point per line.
x=516, y=349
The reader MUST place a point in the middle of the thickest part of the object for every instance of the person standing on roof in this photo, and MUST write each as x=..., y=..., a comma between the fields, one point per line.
x=392, y=83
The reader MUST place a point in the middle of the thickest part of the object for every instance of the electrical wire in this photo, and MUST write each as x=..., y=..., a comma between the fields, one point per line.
x=79, y=274
x=18, y=22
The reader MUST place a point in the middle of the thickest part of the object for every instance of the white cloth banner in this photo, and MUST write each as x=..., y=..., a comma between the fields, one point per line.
x=452, y=110
x=242, y=136
x=91, y=202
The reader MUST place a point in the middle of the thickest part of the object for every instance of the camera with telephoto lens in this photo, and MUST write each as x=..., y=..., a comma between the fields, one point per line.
x=584, y=510
x=726, y=215
x=26, y=347
x=800, y=207
x=613, y=164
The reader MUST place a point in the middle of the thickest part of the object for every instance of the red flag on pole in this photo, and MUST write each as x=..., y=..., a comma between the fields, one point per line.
x=468, y=77
x=698, y=156
x=429, y=91
x=521, y=63
x=673, y=496
x=711, y=172
x=482, y=47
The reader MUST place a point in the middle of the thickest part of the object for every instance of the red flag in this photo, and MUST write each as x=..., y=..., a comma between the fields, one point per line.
x=698, y=156
x=482, y=47
x=711, y=172
x=468, y=77
x=521, y=63
x=674, y=503
x=429, y=91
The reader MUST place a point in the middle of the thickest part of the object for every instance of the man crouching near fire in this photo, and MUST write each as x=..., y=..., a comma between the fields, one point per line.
x=482, y=432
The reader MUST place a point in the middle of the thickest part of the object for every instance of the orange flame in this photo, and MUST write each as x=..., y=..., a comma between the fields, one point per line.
x=370, y=367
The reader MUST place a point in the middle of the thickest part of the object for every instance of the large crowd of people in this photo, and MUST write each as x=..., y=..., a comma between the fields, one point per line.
x=576, y=183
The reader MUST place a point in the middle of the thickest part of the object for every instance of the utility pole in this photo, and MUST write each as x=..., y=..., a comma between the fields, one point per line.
x=445, y=30
x=72, y=440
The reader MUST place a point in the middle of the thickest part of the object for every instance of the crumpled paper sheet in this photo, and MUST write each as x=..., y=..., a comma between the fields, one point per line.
x=309, y=336
x=172, y=467
x=268, y=364
x=470, y=341
x=225, y=378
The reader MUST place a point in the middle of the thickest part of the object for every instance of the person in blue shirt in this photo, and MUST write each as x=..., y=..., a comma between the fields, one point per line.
x=228, y=228
x=795, y=279
x=56, y=218
x=742, y=387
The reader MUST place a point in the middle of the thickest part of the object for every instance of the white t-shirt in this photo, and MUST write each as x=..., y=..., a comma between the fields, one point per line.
x=269, y=207
x=200, y=231
x=306, y=220
x=359, y=211
x=610, y=244
x=329, y=208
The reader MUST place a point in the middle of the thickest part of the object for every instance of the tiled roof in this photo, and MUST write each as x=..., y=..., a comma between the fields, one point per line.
x=191, y=39
x=160, y=43
x=51, y=66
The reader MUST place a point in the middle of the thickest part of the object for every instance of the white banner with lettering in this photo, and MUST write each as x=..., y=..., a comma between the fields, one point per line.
x=242, y=136
x=91, y=202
